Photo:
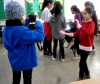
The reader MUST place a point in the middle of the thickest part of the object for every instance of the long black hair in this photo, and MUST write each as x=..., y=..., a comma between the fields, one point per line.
x=57, y=8
x=52, y=10
x=94, y=18
x=45, y=3
x=75, y=8
x=88, y=3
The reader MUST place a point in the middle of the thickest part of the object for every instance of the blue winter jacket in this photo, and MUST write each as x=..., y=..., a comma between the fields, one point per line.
x=20, y=43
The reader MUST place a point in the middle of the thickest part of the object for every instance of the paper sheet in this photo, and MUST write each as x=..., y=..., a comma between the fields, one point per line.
x=41, y=6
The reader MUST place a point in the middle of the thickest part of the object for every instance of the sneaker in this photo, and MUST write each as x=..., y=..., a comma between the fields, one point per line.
x=53, y=58
x=76, y=57
x=87, y=76
x=62, y=60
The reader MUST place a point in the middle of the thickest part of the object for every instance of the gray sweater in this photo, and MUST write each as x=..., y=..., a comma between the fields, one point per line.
x=57, y=24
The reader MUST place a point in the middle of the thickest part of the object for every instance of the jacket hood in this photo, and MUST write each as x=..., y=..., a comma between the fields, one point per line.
x=9, y=32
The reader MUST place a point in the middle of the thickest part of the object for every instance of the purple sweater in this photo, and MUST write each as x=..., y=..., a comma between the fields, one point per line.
x=78, y=17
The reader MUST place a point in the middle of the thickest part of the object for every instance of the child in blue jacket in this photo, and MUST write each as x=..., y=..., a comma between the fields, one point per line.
x=20, y=42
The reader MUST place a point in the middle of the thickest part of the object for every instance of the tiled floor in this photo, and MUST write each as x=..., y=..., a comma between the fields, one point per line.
x=49, y=71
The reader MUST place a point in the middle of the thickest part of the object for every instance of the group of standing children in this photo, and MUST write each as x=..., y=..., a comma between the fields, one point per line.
x=85, y=33
x=19, y=40
x=86, y=27
x=52, y=25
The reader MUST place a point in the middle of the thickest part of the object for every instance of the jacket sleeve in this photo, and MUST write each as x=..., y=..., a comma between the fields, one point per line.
x=89, y=30
x=27, y=22
x=33, y=36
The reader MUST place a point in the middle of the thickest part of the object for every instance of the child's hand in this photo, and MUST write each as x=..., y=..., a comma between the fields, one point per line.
x=77, y=22
x=70, y=34
x=65, y=33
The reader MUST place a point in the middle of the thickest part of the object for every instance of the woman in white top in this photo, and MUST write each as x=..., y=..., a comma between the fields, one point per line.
x=47, y=5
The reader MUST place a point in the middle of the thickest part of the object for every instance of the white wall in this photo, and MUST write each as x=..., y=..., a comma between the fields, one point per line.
x=80, y=5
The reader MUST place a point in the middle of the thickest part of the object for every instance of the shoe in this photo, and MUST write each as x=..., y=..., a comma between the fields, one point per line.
x=70, y=45
x=53, y=58
x=79, y=79
x=50, y=54
x=62, y=60
x=77, y=57
x=87, y=76
x=45, y=53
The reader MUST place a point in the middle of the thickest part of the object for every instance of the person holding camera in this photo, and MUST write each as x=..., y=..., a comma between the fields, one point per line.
x=20, y=42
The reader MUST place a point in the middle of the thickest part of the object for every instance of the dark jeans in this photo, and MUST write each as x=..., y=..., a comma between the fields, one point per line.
x=83, y=64
x=61, y=42
x=47, y=45
x=27, y=77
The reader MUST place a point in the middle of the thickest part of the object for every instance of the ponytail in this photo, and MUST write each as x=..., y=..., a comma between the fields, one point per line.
x=57, y=8
x=94, y=18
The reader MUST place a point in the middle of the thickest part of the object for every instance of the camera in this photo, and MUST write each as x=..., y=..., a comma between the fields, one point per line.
x=32, y=17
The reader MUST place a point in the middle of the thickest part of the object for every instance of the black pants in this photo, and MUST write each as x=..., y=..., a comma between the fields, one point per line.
x=61, y=42
x=27, y=77
x=47, y=45
x=68, y=39
x=83, y=64
x=76, y=44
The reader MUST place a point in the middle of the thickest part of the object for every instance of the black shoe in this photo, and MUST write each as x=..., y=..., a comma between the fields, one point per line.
x=79, y=79
x=45, y=53
x=87, y=76
x=50, y=54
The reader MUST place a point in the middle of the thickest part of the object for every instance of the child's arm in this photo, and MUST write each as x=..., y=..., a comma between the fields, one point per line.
x=31, y=36
x=89, y=30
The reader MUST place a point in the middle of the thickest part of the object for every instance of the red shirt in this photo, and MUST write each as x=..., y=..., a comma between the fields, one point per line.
x=86, y=33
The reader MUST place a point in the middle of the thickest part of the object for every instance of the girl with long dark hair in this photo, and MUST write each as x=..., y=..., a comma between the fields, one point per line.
x=47, y=44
